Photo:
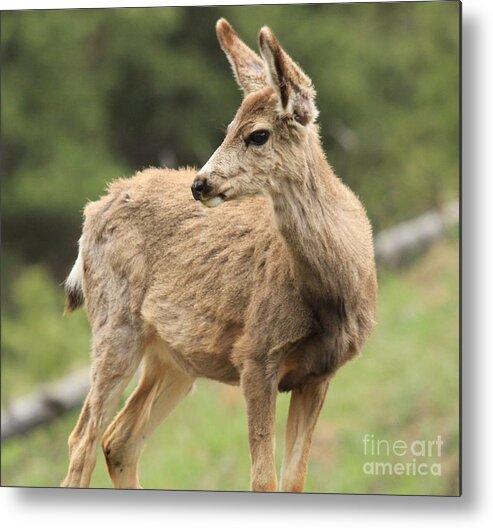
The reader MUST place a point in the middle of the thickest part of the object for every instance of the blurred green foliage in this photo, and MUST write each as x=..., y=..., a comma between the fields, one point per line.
x=91, y=95
x=37, y=344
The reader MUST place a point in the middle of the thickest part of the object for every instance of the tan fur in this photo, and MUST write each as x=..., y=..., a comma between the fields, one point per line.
x=274, y=290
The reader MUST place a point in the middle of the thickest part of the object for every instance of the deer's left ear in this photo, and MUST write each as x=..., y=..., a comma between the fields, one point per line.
x=292, y=85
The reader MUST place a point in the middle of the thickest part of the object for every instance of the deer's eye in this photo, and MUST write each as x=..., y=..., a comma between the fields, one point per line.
x=257, y=138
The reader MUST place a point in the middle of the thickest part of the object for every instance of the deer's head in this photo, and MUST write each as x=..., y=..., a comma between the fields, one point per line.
x=267, y=140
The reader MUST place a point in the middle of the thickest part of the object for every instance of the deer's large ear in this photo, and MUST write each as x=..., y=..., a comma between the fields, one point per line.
x=248, y=67
x=292, y=85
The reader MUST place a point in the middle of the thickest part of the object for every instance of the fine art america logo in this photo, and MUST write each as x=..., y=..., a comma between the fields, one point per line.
x=414, y=458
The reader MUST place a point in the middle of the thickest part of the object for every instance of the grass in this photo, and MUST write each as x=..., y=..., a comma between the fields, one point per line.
x=404, y=388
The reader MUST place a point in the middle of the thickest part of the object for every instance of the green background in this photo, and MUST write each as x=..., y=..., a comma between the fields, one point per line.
x=91, y=95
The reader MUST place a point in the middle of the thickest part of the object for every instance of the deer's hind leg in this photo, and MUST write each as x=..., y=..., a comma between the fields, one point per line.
x=304, y=409
x=161, y=388
x=117, y=352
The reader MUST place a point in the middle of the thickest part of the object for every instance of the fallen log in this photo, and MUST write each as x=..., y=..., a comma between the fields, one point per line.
x=397, y=245
x=45, y=405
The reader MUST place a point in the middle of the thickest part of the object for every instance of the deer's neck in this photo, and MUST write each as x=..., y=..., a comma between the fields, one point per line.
x=306, y=210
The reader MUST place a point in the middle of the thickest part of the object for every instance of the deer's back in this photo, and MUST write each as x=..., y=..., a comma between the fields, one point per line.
x=203, y=279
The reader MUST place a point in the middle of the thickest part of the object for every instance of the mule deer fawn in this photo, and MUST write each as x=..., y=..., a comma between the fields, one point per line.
x=273, y=292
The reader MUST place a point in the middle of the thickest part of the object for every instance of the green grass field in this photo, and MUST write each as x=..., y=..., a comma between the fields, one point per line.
x=404, y=388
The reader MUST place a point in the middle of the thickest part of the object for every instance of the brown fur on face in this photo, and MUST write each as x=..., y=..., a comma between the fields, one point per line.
x=274, y=292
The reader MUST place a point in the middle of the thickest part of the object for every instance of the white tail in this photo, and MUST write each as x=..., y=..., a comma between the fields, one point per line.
x=274, y=292
x=73, y=284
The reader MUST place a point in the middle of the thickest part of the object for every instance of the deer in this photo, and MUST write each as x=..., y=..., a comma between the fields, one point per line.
x=257, y=270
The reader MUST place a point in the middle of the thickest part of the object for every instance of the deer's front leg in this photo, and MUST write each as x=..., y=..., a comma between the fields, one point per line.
x=260, y=390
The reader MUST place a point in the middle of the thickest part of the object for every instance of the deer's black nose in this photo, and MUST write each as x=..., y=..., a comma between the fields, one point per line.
x=199, y=188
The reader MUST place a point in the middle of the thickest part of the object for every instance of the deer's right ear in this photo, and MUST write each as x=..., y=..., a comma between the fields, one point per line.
x=248, y=67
